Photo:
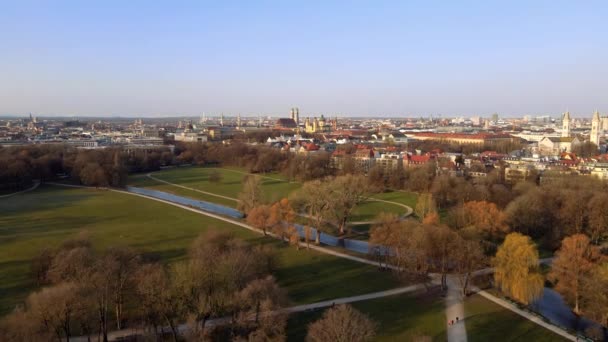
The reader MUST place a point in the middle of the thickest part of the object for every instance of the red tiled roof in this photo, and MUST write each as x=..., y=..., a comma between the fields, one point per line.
x=480, y=136
x=419, y=159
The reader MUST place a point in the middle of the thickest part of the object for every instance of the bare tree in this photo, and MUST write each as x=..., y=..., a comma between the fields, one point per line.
x=598, y=217
x=54, y=308
x=251, y=195
x=345, y=193
x=468, y=256
x=342, y=323
x=314, y=199
x=158, y=302
x=259, y=304
x=440, y=244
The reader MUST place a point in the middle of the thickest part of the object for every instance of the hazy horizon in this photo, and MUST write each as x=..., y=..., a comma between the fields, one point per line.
x=354, y=59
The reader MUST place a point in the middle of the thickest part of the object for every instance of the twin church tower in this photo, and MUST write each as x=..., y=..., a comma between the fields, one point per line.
x=597, y=126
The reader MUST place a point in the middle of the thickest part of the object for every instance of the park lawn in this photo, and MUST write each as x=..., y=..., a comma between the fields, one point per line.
x=400, y=318
x=230, y=185
x=143, y=181
x=407, y=198
x=369, y=210
x=51, y=214
x=274, y=187
x=487, y=321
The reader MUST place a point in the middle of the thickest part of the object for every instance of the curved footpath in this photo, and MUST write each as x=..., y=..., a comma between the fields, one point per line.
x=454, y=305
x=33, y=187
x=408, y=209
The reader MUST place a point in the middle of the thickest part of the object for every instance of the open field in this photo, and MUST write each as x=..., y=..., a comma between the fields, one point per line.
x=399, y=318
x=274, y=187
x=51, y=214
x=487, y=321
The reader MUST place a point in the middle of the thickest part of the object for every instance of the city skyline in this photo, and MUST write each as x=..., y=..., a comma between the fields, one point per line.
x=355, y=59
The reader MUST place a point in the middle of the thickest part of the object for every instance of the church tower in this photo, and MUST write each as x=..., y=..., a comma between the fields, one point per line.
x=595, y=128
x=297, y=116
x=566, y=125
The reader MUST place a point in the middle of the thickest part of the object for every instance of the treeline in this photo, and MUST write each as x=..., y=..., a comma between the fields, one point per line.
x=90, y=293
x=21, y=166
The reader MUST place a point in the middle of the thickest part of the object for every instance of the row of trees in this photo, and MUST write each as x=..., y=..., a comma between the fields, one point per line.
x=88, y=293
x=20, y=166
x=579, y=272
x=416, y=249
x=331, y=200
x=547, y=212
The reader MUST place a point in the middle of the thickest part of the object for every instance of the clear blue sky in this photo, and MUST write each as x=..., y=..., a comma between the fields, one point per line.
x=348, y=57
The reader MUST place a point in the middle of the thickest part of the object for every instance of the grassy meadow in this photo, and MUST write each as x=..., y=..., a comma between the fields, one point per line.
x=487, y=321
x=51, y=214
x=274, y=187
x=402, y=317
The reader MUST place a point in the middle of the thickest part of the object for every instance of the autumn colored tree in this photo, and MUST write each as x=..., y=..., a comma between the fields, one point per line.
x=282, y=216
x=516, y=270
x=405, y=244
x=431, y=218
x=594, y=297
x=425, y=205
x=251, y=195
x=293, y=236
x=482, y=219
x=572, y=264
x=342, y=323
x=260, y=217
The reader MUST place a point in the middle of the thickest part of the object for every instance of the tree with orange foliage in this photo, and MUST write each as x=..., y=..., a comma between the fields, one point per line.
x=483, y=219
x=516, y=270
x=260, y=217
x=573, y=262
x=293, y=236
x=282, y=216
x=431, y=218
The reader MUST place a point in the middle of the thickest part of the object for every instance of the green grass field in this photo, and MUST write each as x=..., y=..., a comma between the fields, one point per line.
x=487, y=321
x=274, y=187
x=51, y=214
x=399, y=318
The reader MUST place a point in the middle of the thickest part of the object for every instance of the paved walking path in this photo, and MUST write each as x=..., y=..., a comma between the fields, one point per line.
x=182, y=328
x=454, y=307
x=33, y=187
x=534, y=318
